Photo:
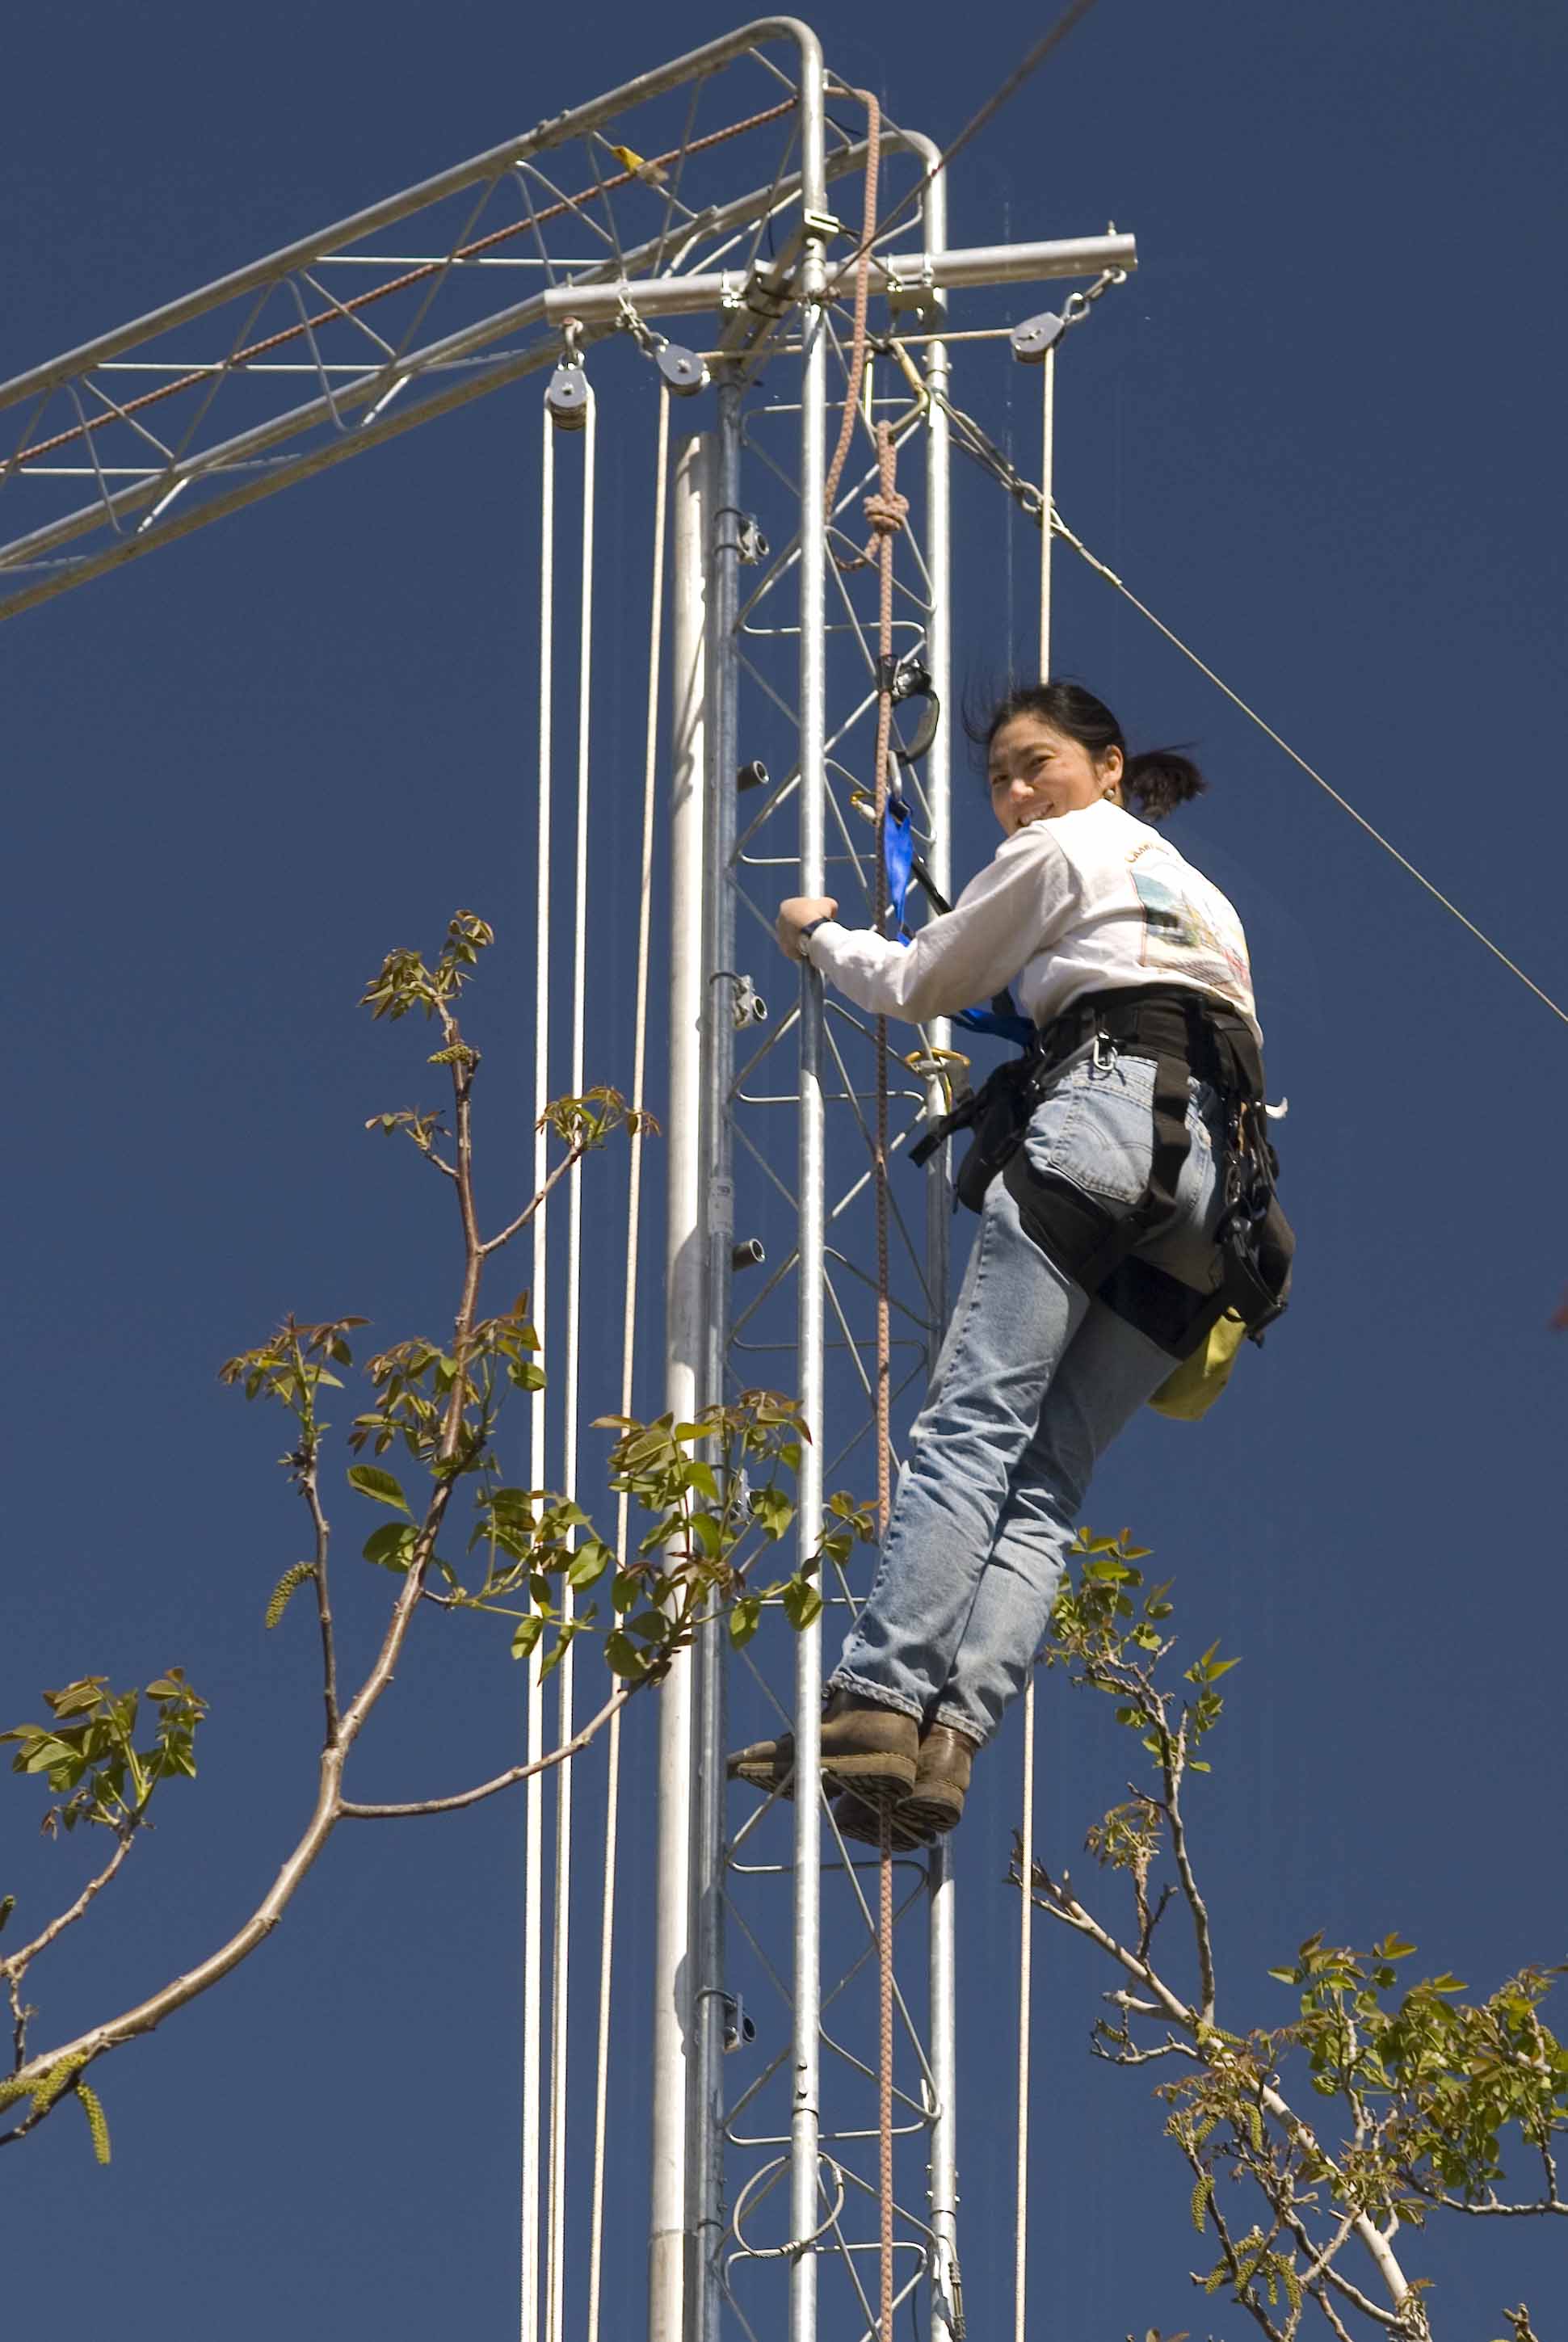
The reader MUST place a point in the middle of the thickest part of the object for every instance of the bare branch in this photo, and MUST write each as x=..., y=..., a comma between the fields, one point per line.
x=358, y=1813
x=1173, y=1764
x=1492, y=2210
x=1063, y=1906
x=15, y=1965
x=310, y=1490
x=493, y=1244
x=1131, y=2056
x=1337, y=2323
x=19, y=2015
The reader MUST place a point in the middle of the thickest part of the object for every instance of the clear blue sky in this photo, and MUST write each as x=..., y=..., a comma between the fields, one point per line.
x=1322, y=434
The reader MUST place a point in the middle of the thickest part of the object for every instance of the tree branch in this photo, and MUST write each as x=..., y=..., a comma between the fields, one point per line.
x=493, y=1244
x=1336, y=2323
x=15, y=1965
x=1243, y=2284
x=359, y=1813
x=1492, y=2210
x=310, y=1490
x=1063, y=1906
x=1173, y=1764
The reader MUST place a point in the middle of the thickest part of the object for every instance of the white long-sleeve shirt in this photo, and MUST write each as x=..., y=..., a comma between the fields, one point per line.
x=1093, y=901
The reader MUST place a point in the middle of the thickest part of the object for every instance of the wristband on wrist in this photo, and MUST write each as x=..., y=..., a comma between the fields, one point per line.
x=806, y=933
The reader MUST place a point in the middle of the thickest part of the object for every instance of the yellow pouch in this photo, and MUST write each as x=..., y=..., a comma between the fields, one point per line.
x=1198, y=1381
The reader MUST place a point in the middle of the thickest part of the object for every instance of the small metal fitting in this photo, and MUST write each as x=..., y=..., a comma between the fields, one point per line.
x=739, y=2030
x=747, y=1255
x=683, y=371
x=754, y=775
x=748, y=1007
x=914, y=300
x=751, y=544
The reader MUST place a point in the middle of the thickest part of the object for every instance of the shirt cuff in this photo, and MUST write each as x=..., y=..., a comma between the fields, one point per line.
x=807, y=932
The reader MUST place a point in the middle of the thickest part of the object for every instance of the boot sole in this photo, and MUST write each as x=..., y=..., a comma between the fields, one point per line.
x=935, y=1814
x=869, y=1773
x=861, y=1821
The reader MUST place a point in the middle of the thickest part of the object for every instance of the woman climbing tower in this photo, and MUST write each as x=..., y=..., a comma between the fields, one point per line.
x=1124, y=1183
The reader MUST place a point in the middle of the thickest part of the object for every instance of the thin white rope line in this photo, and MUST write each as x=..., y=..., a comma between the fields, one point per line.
x=532, y=1858
x=560, y=1958
x=1047, y=472
x=1026, y=1831
x=1327, y=787
x=628, y=1350
x=1025, y=2022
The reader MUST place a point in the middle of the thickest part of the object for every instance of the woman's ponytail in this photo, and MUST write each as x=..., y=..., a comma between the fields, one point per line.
x=1159, y=781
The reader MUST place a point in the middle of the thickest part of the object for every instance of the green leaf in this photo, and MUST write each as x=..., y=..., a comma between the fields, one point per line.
x=589, y=1563
x=372, y=1481
x=390, y=1546
x=801, y=1604
x=743, y=1620
x=525, y=1640
x=624, y=1658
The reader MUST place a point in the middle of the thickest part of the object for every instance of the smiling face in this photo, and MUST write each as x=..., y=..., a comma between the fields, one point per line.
x=1038, y=773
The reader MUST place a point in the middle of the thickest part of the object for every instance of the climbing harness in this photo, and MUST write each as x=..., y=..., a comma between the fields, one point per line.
x=1185, y=1035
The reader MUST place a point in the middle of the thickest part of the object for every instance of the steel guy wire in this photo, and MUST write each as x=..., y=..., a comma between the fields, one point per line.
x=976, y=442
x=1033, y=58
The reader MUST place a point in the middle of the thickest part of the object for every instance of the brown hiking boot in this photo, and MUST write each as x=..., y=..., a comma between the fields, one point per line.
x=874, y=1747
x=942, y=1777
x=932, y=1808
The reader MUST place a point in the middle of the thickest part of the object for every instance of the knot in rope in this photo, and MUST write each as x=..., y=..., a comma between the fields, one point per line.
x=886, y=513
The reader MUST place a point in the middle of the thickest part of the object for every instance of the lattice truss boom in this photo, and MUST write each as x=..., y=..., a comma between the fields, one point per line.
x=407, y=309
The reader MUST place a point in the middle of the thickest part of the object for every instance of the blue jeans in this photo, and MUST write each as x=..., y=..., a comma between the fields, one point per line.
x=1035, y=1380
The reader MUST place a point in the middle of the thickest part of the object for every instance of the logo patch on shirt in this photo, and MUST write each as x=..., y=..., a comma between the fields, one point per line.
x=1189, y=927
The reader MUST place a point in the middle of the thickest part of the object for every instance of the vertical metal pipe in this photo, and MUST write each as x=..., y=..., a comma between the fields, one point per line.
x=533, y=1790
x=718, y=1060
x=941, y=1889
x=806, y=2107
x=686, y=1307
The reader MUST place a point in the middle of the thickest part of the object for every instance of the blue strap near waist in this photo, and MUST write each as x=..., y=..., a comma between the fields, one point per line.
x=1001, y=1018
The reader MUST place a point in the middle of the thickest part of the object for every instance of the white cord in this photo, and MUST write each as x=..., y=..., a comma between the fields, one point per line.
x=1025, y=2016
x=628, y=1348
x=534, y=1788
x=561, y=1962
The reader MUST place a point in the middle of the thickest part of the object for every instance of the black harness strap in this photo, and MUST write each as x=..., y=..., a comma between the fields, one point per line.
x=1185, y=1035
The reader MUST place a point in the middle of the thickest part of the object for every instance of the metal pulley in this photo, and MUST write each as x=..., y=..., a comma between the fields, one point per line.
x=1036, y=336
x=683, y=372
x=566, y=398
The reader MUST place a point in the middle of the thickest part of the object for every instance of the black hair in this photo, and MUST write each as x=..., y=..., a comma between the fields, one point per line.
x=1156, y=782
